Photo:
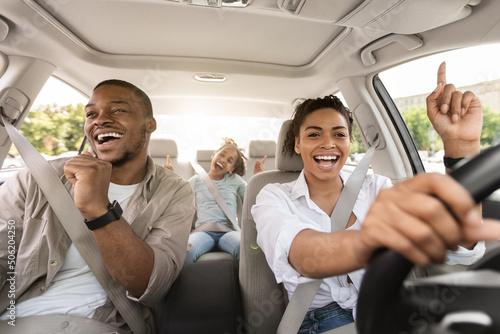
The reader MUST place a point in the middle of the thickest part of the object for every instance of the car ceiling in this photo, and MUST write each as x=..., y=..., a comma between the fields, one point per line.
x=270, y=56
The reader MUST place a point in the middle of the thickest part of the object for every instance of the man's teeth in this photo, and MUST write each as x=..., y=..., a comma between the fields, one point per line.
x=111, y=134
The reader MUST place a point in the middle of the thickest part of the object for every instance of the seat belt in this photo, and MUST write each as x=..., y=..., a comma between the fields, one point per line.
x=72, y=220
x=216, y=194
x=304, y=294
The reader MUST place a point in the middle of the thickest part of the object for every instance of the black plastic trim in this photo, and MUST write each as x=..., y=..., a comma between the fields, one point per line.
x=399, y=125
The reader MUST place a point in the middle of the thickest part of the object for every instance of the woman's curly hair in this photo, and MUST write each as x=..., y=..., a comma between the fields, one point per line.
x=307, y=107
x=240, y=164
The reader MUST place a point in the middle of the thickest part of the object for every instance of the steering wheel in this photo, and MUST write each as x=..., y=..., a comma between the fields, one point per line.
x=461, y=302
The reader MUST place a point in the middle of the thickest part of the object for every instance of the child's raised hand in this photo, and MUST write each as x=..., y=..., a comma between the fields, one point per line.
x=259, y=165
x=168, y=165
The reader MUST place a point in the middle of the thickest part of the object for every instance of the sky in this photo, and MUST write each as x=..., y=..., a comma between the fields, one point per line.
x=57, y=92
x=464, y=67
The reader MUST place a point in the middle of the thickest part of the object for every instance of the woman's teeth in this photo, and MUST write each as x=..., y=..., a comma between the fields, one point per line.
x=326, y=159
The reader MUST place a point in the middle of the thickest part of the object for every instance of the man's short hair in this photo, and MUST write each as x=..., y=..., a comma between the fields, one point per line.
x=139, y=93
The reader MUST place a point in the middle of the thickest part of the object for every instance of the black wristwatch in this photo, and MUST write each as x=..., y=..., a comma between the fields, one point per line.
x=114, y=213
x=451, y=162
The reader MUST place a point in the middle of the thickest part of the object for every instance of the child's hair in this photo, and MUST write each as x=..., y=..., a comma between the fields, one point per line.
x=240, y=164
x=307, y=107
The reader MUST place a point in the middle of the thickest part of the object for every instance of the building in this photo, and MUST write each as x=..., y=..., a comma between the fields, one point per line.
x=488, y=92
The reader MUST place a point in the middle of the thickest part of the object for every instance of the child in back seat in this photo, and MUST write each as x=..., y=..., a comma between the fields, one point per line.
x=213, y=229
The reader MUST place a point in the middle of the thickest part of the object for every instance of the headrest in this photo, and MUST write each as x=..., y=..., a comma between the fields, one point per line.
x=287, y=163
x=260, y=148
x=204, y=155
x=160, y=147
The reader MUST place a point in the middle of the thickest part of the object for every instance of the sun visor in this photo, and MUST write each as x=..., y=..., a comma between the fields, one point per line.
x=403, y=16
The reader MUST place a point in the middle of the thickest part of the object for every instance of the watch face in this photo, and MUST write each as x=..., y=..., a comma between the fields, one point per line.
x=116, y=209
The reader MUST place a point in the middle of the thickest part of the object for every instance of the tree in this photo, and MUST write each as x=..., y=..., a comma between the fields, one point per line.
x=53, y=130
x=491, y=128
x=427, y=139
x=356, y=144
x=420, y=127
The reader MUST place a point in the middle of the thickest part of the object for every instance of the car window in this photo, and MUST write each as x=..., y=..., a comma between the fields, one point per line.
x=206, y=132
x=54, y=125
x=475, y=69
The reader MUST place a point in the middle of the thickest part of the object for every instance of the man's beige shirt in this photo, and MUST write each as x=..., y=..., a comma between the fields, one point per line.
x=160, y=212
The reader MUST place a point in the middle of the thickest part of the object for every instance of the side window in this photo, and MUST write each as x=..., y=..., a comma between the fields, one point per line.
x=409, y=85
x=54, y=125
x=473, y=69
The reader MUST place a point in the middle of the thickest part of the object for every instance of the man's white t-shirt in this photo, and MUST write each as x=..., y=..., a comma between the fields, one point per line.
x=74, y=289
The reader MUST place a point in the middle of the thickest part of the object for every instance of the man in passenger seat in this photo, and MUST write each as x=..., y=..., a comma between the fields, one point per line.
x=143, y=250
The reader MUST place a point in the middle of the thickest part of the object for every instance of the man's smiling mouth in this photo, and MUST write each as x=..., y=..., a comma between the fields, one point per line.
x=105, y=137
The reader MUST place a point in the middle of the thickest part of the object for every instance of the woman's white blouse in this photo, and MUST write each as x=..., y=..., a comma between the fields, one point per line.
x=283, y=210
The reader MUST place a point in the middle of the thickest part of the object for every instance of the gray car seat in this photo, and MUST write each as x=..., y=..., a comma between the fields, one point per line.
x=158, y=150
x=204, y=158
x=263, y=299
x=205, y=298
x=257, y=149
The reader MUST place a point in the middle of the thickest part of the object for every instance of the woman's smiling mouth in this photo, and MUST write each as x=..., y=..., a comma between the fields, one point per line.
x=326, y=160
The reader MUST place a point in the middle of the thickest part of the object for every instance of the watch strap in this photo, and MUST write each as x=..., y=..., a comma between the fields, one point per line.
x=451, y=162
x=114, y=213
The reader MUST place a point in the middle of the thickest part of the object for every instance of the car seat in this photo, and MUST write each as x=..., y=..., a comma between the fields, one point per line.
x=204, y=298
x=257, y=149
x=158, y=150
x=264, y=300
x=204, y=158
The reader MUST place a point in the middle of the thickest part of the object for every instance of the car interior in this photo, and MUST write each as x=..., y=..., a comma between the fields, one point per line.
x=239, y=68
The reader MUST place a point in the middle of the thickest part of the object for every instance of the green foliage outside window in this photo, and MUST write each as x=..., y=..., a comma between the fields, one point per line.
x=426, y=139
x=491, y=128
x=356, y=143
x=53, y=129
